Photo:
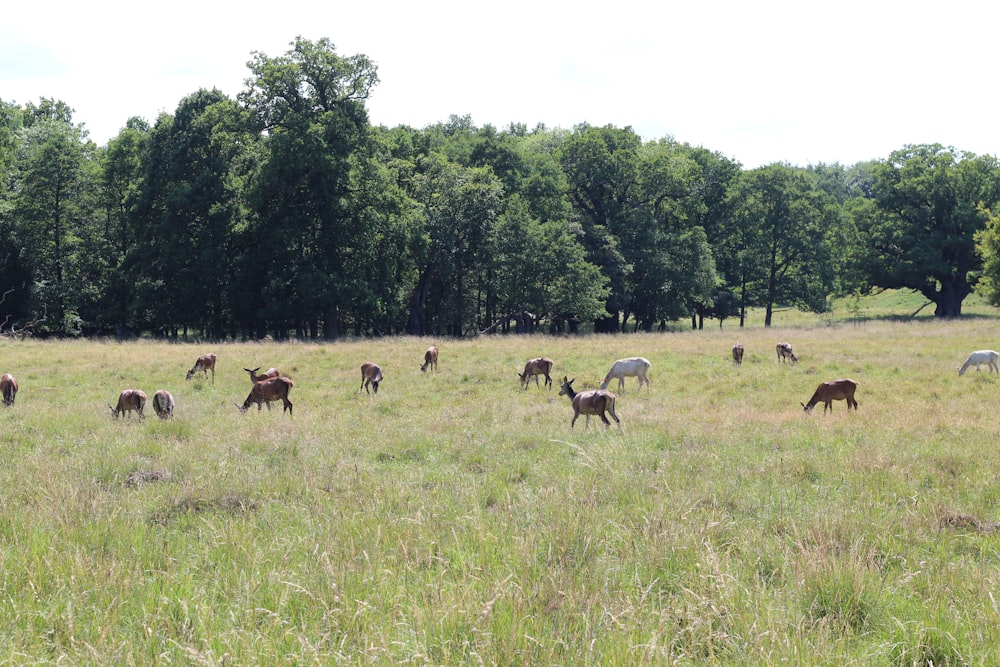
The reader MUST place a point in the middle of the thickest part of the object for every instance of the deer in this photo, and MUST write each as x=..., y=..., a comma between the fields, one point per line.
x=430, y=359
x=129, y=400
x=633, y=366
x=738, y=354
x=8, y=388
x=204, y=364
x=163, y=404
x=535, y=367
x=266, y=375
x=269, y=390
x=835, y=390
x=784, y=351
x=371, y=374
x=981, y=357
x=590, y=402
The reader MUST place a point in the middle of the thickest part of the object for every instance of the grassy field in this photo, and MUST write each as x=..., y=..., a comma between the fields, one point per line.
x=455, y=519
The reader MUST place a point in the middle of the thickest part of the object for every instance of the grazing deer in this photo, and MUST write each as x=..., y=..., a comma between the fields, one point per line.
x=738, y=354
x=370, y=374
x=535, y=367
x=430, y=359
x=590, y=402
x=266, y=375
x=835, y=390
x=163, y=404
x=981, y=357
x=128, y=400
x=784, y=351
x=267, y=391
x=8, y=387
x=205, y=363
x=633, y=366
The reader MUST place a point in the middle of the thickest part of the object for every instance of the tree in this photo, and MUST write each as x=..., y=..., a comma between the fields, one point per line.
x=601, y=169
x=784, y=251
x=309, y=104
x=541, y=271
x=930, y=201
x=710, y=208
x=393, y=222
x=15, y=281
x=122, y=163
x=673, y=270
x=182, y=260
x=461, y=205
x=51, y=210
x=988, y=247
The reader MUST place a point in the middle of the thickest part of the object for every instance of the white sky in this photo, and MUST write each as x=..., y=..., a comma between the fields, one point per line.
x=760, y=82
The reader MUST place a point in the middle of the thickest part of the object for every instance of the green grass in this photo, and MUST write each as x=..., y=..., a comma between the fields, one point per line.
x=896, y=305
x=455, y=519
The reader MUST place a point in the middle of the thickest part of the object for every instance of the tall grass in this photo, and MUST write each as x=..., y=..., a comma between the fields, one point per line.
x=455, y=519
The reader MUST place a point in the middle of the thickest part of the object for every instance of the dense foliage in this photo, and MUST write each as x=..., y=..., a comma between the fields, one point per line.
x=284, y=212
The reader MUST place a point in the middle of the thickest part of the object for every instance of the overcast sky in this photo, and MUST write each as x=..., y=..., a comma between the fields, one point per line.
x=760, y=82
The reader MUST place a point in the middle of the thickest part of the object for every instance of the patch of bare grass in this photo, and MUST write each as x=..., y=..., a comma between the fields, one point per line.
x=227, y=504
x=140, y=477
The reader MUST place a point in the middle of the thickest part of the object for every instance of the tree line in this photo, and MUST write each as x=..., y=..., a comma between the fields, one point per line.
x=286, y=213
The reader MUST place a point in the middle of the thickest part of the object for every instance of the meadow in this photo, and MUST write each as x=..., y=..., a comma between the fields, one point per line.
x=456, y=519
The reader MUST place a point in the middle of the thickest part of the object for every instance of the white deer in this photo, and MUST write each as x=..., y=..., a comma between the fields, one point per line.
x=631, y=367
x=981, y=357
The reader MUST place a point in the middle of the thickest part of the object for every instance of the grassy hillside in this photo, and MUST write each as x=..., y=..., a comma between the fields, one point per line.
x=902, y=305
x=455, y=519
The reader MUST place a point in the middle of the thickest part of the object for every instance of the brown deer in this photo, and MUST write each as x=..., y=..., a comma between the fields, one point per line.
x=266, y=391
x=835, y=390
x=8, y=388
x=129, y=400
x=371, y=374
x=590, y=402
x=784, y=351
x=535, y=367
x=163, y=404
x=266, y=375
x=430, y=359
x=205, y=363
x=738, y=354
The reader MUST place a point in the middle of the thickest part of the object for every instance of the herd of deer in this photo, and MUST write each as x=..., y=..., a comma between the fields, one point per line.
x=267, y=387
x=826, y=392
x=271, y=385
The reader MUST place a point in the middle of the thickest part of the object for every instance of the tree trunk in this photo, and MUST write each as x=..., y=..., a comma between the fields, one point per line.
x=743, y=301
x=417, y=322
x=772, y=288
x=606, y=324
x=948, y=299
